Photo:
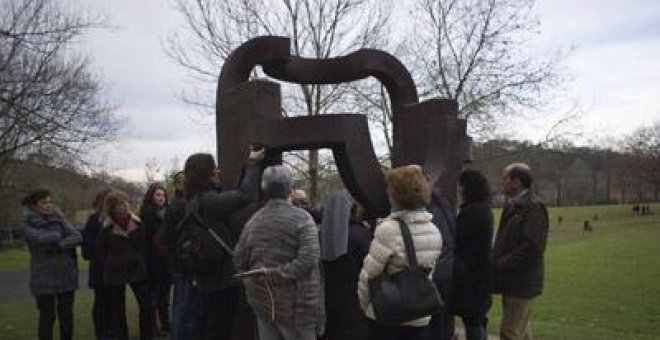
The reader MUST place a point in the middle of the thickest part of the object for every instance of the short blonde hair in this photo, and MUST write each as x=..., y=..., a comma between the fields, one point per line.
x=408, y=186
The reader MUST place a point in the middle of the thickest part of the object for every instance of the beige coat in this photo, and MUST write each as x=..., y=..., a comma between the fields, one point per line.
x=387, y=252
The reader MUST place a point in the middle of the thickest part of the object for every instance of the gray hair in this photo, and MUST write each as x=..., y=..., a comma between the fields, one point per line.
x=277, y=182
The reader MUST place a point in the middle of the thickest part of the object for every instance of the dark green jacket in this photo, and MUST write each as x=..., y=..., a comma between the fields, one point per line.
x=519, y=248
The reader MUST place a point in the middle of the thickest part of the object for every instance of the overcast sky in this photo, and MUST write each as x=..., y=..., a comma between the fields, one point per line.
x=614, y=63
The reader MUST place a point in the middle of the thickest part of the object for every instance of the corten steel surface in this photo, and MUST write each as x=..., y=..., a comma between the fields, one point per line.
x=249, y=112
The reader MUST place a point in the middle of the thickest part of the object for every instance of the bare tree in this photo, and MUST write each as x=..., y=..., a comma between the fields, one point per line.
x=473, y=51
x=317, y=28
x=643, y=145
x=50, y=100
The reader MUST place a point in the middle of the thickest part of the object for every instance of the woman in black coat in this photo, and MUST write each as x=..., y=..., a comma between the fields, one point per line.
x=121, y=246
x=90, y=253
x=472, y=300
x=152, y=213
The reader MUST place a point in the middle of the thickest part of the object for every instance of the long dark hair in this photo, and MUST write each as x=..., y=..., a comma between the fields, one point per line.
x=197, y=174
x=148, y=198
x=475, y=186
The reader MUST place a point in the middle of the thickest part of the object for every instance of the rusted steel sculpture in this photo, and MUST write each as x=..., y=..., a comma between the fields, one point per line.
x=249, y=112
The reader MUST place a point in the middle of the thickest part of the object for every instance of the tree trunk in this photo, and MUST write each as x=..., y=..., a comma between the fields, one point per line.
x=594, y=186
x=558, y=183
x=313, y=172
x=623, y=192
x=607, y=186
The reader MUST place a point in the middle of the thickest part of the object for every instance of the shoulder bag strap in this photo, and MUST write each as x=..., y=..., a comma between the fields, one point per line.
x=408, y=243
x=194, y=212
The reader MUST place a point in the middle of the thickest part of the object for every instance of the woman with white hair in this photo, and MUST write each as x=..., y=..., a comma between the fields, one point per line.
x=280, y=246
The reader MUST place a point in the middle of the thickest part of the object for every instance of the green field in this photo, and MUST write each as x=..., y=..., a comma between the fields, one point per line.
x=19, y=258
x=600, y=285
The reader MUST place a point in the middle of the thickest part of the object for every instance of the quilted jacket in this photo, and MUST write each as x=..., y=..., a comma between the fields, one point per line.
x=387, y=253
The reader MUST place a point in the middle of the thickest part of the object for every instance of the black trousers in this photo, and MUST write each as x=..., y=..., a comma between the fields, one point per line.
x=47, y=309
x=101, y=311
x=117, y=308
x=162, y=300
x=218, y=312
x=379, y=332
x=441, y=326
x=476, y=327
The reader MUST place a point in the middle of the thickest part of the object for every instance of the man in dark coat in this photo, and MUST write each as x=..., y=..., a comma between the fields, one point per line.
x=518, y=251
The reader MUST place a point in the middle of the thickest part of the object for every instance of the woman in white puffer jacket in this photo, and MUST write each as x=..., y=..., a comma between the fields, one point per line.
x=408, y=192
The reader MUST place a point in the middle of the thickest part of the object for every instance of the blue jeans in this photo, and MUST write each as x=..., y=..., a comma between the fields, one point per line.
x=186, y=308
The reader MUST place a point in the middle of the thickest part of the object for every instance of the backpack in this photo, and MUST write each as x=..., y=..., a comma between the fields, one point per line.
x=199, y=249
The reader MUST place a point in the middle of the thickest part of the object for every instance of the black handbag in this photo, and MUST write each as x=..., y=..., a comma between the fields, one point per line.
x=405, y=295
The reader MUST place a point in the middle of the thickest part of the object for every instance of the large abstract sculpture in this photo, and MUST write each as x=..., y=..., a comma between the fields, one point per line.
x=249, y=112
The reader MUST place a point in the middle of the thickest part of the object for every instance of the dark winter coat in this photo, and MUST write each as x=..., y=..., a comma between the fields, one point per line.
x=285, y=238
x=90, y=250
x=519, y=248
x=53, y=260
x=123, y=256
x=345, y=319
x=444, y=218
x=216, y=208
x=152, y=220
x=474, y=233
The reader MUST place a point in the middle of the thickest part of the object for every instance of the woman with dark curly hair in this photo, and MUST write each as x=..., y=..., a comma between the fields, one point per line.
x=152, y=212
x=53, y=263
x=474, y=231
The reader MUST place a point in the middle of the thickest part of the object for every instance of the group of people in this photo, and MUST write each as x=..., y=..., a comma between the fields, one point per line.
x=287, y=271
x=641, y=209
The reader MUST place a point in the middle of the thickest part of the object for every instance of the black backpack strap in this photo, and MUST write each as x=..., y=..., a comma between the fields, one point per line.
x=407, y=242
x=191, y=207
x=216, y=237
x=192, y=211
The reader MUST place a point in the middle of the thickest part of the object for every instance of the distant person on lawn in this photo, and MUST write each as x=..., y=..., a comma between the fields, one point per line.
x=52, y=242
x=518, y=251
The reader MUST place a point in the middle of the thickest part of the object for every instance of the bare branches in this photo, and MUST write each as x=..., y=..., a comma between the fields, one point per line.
x=49, y=100
x=473, y=51
x=318, y=29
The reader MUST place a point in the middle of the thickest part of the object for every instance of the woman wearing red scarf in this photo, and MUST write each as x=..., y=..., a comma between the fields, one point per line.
x=122, y=246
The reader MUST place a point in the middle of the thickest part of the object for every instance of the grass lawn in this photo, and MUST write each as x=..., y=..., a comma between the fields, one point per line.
x=19, y=258
x=18, y=320
x=600, y=285
x=14, y=259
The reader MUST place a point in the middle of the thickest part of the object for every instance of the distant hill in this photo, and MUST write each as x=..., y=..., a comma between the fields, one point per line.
x=72, y=191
